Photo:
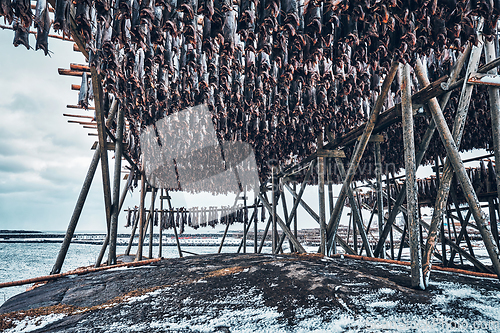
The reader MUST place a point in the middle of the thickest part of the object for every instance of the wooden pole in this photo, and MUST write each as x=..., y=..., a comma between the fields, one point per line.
x=255, y=229
x=417, y=280
x=101, y=132
x=295, y=218
x=380, y=197
x=494, y=97
x=247, y=228
x=283, y=226
x=232, y=209
x=116, y=187
x=76, y=212
x=285, y=214
x=356, y=157
x=132, y=236
x=160, y=245
x=424, y=144
x=141, y=216
x=274, y=230
x=321, y=195
x=175, y=228
x=151, y=221
x=245, y=221
x=454, y=157
x=264, y=235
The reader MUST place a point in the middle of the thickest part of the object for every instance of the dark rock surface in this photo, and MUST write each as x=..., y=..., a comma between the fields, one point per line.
x=228, y=292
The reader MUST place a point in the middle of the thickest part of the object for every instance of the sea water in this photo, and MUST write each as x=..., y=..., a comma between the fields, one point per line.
x=20, y=261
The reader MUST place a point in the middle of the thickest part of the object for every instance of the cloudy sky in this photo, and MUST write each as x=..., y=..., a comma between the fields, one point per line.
x=43, y=159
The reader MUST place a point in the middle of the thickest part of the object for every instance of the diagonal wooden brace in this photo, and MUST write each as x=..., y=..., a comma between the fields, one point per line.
x=283, y=226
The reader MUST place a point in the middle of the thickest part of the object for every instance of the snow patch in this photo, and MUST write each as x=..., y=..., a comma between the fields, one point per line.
x=30, y=324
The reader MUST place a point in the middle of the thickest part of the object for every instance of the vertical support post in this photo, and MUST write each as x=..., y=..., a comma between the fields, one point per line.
x=273, y=213
x=151, y=221
x=101, y=131
x=116, y=187
x=160, y=245
x=255, y=230
x=321, y=195
x=141, y=216
x=245, y=221
x=330, y=183
x=417, y=280
x=494, y=97
x=295, y=233
x=380, y=197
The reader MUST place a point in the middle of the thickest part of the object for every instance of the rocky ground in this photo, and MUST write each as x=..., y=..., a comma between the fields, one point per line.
x=231, y=293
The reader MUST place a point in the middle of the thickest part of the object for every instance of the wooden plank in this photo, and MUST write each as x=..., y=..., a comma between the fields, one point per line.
x=376, y=138
x=69, y=72
x=330, y=153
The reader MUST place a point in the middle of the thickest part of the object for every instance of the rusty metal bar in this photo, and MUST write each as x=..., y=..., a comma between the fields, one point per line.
x=116, y=187
x=424, y=144
x=417, y=280
x=454, y=157
x=356, y=157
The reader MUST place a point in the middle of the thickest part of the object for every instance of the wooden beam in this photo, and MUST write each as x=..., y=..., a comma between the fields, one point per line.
x=417, y=280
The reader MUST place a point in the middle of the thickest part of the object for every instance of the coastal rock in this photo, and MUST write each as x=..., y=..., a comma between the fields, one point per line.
x=229, y=292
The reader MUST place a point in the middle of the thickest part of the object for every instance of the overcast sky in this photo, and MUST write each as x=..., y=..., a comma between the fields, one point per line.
x=43, y=158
